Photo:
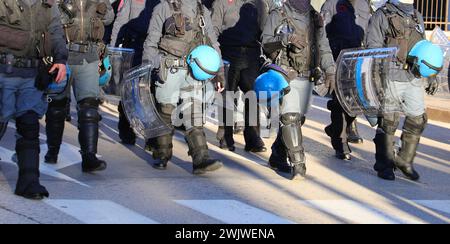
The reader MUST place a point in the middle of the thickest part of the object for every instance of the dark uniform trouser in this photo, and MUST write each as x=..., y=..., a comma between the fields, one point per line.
x=126, y=133
x=340, y=120
x=242, y=74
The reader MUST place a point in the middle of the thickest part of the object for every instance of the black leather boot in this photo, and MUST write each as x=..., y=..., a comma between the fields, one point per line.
x=126, y=133
x=27, y=149
x=54, y=128
x=412, y=131
x=162, y=151
x=353, y=134
x=279, y=159
x=198, y=150
x=384, y=155
x=88, y=119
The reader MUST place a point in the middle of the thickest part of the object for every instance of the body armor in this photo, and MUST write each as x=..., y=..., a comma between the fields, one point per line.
x=82, y=20
x=298, y=57
x=181, y=33
x=23, y=28
x=404, y=32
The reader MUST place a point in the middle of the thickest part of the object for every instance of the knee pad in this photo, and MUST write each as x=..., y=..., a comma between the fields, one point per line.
x=28, y=125
x=57, y=110
x=88, y=111
x=389, y=123
x=292, y=119
x=415, y=125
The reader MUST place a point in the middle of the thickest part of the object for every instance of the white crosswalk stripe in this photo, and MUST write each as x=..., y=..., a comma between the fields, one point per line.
x=354, y=212
x=99, y=212
x=233, y=212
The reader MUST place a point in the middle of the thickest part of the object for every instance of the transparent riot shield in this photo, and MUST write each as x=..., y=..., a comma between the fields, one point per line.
x=121, y=61
x=139, y=103
x=361, y=86
x=439, y=38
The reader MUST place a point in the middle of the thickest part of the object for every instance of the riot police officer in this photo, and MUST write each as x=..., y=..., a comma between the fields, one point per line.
x=345, y=24
x=30, y=32
x=397, y=23
x=237, y=23
x=176, y=28
x=130, y=31
x=291, y=35
x=83, y=23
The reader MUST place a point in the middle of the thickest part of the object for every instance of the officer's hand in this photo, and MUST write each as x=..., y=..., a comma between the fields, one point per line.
x=433, y=86
x=62, y=72
x=102, y=8
x=220, y=87
x=219, y=80
x=296, y=41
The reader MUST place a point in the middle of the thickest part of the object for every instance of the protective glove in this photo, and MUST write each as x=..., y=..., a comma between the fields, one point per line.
x=219, y=80
x=433, y=86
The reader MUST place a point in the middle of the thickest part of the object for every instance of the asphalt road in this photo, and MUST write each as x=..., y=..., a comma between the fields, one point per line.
x=244, y=191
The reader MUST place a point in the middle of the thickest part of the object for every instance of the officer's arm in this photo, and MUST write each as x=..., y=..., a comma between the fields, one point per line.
x=326, y=56
x=109, y=16
x=377, y=30
x=121, y=20
x=159, y=16
x=263, y=12
x=218, y=12
x=210, y=32
x=58, y=41
x=327, y=11
x=422, y=24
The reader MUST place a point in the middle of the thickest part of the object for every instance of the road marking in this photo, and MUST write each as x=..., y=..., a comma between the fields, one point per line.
x=440, y=205
x=99, y=212
x=355, y=212
x=233, y=212
x=68, y=156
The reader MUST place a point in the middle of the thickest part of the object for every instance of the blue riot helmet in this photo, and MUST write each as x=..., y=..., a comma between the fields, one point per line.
x=271, y=84
x=105, y=70
x=426, y=59
x=204, y=62
x=58, y=88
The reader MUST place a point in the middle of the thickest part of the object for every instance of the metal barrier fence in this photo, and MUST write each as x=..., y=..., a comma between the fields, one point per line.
x=435, y=13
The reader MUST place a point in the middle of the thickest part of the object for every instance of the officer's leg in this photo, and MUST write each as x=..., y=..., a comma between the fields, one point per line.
x=167, y=95
x=162, y=145
x=290, y=139
x=352, y=131
x=87, y=92
x=253, y=141
x=54, y=128
x=228, y=110
x=415, y=122
x=192, y=111
x=68, y=115
x=88, y=119
x=3, y=128
x=239, y=124
x=126, y=133
x=27, y=149
x=337, y=129
x=384, y=145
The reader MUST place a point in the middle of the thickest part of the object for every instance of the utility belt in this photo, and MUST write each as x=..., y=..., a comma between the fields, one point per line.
x=18, y=62
x=82, y=48
x=292, y=73
x=174, y=63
